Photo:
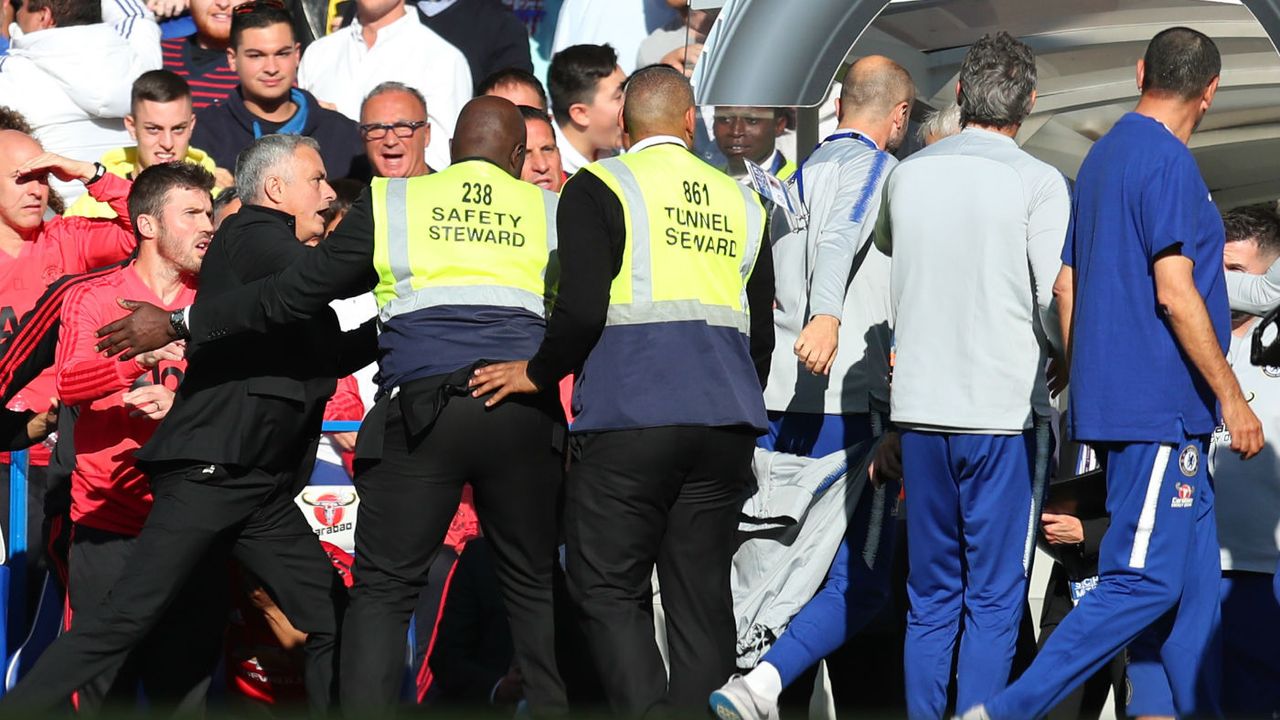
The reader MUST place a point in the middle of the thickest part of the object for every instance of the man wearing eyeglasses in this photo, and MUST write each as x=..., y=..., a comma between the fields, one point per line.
x=264, y=54
x=393, y=123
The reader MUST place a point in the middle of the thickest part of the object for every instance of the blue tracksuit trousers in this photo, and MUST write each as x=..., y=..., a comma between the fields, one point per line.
x=1157, y=592
x=858, y=582
x=972, y=512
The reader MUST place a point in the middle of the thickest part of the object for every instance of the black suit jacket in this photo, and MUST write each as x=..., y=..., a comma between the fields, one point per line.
x=256, y=399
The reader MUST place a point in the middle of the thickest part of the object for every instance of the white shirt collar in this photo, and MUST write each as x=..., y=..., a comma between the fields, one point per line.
x=657, y=140
x=570, y=159
x=386, y=33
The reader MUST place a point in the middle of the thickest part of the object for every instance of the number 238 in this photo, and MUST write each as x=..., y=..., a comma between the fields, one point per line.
x=477, y=193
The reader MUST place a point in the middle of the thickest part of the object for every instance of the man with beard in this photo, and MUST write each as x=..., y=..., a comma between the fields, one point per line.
x=119, y=407
x=217, y=478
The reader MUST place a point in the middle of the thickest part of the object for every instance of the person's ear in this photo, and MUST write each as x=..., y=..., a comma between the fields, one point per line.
x=148, y=226
x=1142, y=73
x=517, y=160
x=690, y=125
x=274, y=189
x=231, y=59
x=580, y=114
x=959, y=92
x=131, y=127
x=1207, y=99
x=780, y=125
x=839, y=109
x=46, y=18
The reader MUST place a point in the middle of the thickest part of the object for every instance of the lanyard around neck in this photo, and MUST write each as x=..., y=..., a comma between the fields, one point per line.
x=851, y=134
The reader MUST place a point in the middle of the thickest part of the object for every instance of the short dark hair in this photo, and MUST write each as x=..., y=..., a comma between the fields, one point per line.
x=1258, y=223
x=533, y=113
x=161, y=86
x=513, y=76
x=69, y=13
x=225, y=198
x=259, y=15
x=1180, y=61
x=997, y=79
x=346, y=191
x=574, y=74
x=151, y=188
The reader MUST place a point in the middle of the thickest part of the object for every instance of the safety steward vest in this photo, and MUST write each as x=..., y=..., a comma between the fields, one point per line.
x=675, y=346
x=447, y=243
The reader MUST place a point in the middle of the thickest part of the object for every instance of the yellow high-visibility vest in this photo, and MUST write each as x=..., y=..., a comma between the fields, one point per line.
x=675, y=348
x=469, y=235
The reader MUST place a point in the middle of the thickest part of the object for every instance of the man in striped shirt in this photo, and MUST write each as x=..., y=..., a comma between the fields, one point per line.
x=201, y=58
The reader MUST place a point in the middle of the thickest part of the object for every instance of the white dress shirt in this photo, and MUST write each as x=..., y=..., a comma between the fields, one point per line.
x=571, y=160
x=341, y=69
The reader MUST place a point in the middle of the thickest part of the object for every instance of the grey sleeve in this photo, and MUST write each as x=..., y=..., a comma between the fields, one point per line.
x=840, y=233
x=1254, y=294
x=1047, y=221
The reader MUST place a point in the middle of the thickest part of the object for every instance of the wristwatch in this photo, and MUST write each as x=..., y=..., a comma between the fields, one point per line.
x=178, y=321
x=98, y=171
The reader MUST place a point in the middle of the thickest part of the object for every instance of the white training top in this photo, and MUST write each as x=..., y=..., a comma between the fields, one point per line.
x=975, y=227
x=811, y=265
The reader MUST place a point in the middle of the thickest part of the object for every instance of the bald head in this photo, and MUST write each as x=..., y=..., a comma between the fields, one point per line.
x=13, y=140
x=491, y=128
x=874, y=86
x=657, y=101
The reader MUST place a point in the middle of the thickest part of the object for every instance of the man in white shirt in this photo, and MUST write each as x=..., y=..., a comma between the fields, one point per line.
x=1248, y=497
x=623, y=24
x=383, y=42
x=585, y=82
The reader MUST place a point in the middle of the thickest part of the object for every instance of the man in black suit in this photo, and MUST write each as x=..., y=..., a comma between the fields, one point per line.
x=445, y=309
x=232, y=453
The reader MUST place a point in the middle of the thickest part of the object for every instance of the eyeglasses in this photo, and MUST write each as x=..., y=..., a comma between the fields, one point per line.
x=256, y=5
x=377, y=131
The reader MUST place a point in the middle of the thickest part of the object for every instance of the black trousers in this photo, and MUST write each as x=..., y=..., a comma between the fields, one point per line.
x=668, y=497
x=408, y=498
x=199, y=507
x=175, y=663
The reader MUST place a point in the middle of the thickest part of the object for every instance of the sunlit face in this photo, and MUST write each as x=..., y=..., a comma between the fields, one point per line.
x=604, y=126
x=1246, y=257
x=213, y=21
x=542, y=157
x=391, y=154
x=185, y=226
x=162, y=130
x=23, y=198
x=306, y=193
x=266, y=62
x=747, y=132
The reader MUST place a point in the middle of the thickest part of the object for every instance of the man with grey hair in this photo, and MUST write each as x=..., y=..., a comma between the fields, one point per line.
x=939, y=124
x=237, y=443
x=975, y=227
x=396, y=131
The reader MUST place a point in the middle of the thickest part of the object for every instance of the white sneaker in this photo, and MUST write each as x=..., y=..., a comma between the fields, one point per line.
x=977, y=712
x=735, y=701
